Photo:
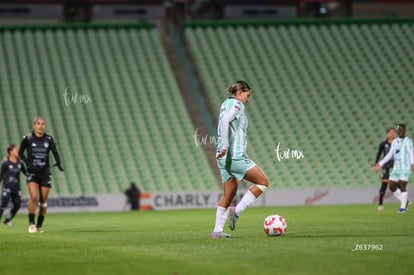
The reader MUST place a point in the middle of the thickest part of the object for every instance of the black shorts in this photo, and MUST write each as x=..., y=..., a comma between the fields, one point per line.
x=43, y=178
x=385, y=173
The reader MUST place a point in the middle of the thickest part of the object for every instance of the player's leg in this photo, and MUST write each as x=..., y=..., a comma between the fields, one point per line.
x=393, y=183
x=255, y=175
x=229, y=191
x=404, y=194
x=5, y=197
x=260, y=183
x=43, y=195
x=16, y=199
x=385, y=175
x=393, y=186
x=383, y=189
x=32, y=188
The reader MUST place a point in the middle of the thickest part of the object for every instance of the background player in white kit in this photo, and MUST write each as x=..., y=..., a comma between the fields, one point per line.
x=232, y=160
x=402, y=151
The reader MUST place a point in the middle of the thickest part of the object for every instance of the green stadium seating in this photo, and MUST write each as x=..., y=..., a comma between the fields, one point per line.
x=137, y=127
x=329, y=88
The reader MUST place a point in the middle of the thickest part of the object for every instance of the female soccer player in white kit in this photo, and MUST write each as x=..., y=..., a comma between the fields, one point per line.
x=402, y=150
x=232, y=160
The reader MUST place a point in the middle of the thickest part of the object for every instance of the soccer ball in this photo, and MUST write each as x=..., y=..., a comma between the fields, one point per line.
x=274, y=225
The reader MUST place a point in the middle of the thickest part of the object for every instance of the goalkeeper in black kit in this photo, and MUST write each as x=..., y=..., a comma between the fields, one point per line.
x=10, y=171
x=38, y=146
x=383, y=150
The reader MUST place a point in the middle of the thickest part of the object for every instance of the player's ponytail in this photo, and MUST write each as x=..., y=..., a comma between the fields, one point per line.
x=239, y=85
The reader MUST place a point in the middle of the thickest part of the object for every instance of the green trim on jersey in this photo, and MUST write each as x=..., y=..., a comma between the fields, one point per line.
x=237, y=135
x=402, y=148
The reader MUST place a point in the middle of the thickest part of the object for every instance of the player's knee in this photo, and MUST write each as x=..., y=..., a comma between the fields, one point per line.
x=262, y=180
x=262, y=187
x=33, y=197
x=43, y=204
x=266, y=182
x=3, y=204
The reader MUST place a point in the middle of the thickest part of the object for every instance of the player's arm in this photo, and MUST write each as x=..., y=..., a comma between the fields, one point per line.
x=410, y=152
x=378, y=165
x=58, y=164
x=23, y=169
x=388, y=157
x=2, y=170
x=412, y=161
x=225, y=120
x=22, y=148
x=380, y=150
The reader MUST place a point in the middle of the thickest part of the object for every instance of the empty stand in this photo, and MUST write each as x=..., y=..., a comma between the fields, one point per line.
x=327, y=88
x=123, y=118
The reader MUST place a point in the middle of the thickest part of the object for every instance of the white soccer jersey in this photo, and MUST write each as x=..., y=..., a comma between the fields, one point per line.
x=232, y=128
x=402, y=150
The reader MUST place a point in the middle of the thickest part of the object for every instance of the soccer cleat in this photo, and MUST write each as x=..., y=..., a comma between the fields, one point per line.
x=380, y=207
x=402, y=210
x=32, y=228
x=220, y=235
x=39, y=230
x=7, y=223
x=232, y=218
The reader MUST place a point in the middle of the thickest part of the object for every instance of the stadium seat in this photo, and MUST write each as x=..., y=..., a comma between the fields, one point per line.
x=329, y=89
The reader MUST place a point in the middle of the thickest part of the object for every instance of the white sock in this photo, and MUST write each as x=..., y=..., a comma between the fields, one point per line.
x=245, y=202
x=221, y=218
x=404, y=196
x=397, y=193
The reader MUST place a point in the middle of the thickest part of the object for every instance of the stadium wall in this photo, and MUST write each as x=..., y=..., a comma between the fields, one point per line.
x=200, y=200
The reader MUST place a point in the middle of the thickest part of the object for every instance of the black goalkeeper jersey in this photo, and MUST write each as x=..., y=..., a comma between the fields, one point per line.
x=10, y=174
x=37, y=159
x=383, y=150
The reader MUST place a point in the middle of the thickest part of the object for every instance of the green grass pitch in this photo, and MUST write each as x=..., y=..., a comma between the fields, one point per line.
x=319, y=240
